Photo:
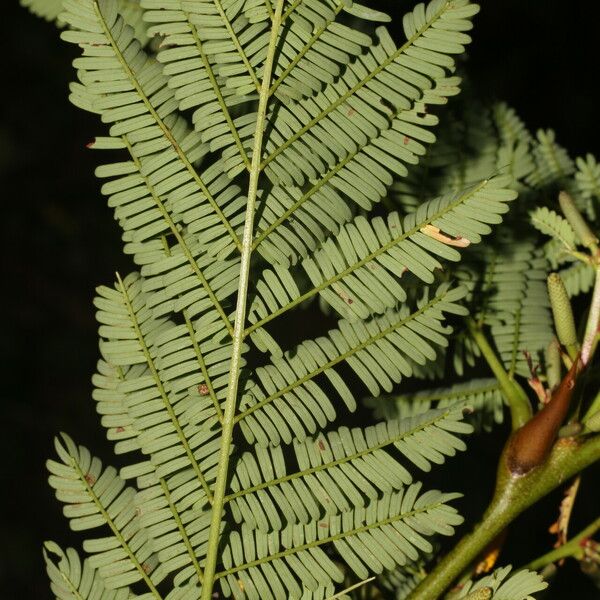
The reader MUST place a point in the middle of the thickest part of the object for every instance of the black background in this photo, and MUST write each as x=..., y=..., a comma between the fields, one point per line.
x=59, y=241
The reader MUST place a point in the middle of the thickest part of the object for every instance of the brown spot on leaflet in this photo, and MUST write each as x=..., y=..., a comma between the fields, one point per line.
x=203, y=389
x=406, y=140
x=342, y=294
x=91, y=480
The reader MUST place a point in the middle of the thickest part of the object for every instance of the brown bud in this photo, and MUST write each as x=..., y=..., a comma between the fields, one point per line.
x=531, y=444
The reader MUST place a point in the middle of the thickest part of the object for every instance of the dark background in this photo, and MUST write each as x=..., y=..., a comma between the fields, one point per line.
x=59, y=241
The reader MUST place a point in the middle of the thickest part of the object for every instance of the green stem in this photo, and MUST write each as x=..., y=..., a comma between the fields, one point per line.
x=513, y=495
x=518, y=401
x=572, y=548
x=240, y=319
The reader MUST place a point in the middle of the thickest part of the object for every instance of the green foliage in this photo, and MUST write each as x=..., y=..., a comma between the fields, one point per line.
x=551, y=161
x=267, y=161
x=70, y=579
x=587, y=180
x=47, y=9
x=552, y=224
x=482, y=396
x=502, y=585
x=510, y=296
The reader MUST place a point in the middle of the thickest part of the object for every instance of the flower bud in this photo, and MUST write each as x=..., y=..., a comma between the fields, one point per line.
x=564, y=322
x=576, y=221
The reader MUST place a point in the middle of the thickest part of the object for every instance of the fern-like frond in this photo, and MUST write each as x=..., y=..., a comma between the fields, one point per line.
x=273, y=488
x=289, y=213
x=222, y=28
x=286, y=401
x=587, y=180
x=96, y=497
x=512, y=299
x=473, y=142
x=467, y=153
x=302, y=116
x=202, y=43
x=341, y=470
x=214, y=63
x=399, y=77
x=389, y=532
x=552, y=224
x=358, y=273
x=47, y=9
x=161, y=372
x=154, y=371
x=552, y=163
x=130, y=10
x=361, y=131
x=578, y=278
x=315, y=45
x=482, y=396
x=504, y=585
x=513, y=155
x=74, y=579
x=159, y=197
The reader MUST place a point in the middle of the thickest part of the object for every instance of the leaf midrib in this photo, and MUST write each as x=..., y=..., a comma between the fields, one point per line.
x=114, y=528
x=354, y=88
x=180, y=241
x=373, y=255
x=159, y=385
x=305, y=49
x=340, y=358
x=332, y=538
x=166, y=131
x=340, y=461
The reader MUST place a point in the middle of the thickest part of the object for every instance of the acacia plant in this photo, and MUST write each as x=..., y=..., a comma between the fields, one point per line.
x=284, y=166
